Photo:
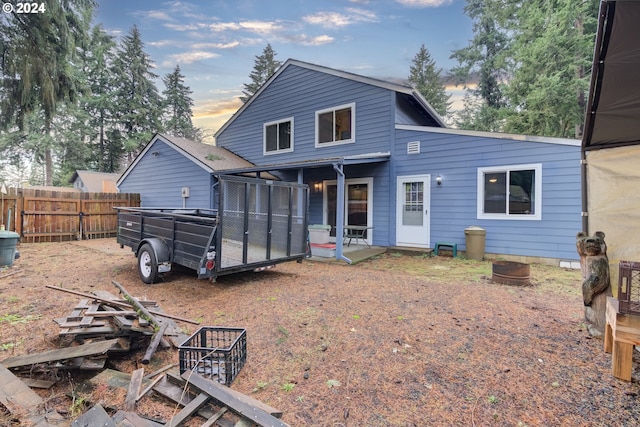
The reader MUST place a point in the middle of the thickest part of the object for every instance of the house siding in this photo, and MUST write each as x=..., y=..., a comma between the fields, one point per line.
x=288, y=96
x=382, y=202
x=169, y=171
x=454, y=204
x=381, y=113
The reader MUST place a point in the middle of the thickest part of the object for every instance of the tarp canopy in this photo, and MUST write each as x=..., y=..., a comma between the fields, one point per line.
x=613, y=110
x=611, y=140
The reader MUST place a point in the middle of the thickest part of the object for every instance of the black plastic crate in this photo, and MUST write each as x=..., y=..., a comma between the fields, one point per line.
x=217, y=353
x=629, y=287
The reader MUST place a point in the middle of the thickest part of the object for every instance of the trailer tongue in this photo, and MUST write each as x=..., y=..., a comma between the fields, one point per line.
x=258, y=223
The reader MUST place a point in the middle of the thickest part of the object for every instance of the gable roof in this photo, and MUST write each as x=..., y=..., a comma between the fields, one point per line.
x=399, y=88
x=209, y=157
x=95, y=182
x=613, y=109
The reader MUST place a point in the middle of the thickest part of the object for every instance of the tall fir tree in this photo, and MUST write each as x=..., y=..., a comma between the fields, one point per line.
x=426, y=78
x=137, y=99
x=38, y=67
x=100, y=104
x=484, y=62
x=264, y=67
x=177, y=106
x=552, y=47
x=532, y=60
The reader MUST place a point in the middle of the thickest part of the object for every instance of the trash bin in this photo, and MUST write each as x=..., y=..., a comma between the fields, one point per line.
x=8, y=241
x=319, y=233
x=475, y=241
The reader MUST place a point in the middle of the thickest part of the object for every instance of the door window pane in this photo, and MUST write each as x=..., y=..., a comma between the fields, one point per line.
x=413, y=203
x=357, y=204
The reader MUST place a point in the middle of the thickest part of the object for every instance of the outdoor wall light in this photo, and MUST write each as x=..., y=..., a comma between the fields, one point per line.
x=317, y=187
x=439, y=180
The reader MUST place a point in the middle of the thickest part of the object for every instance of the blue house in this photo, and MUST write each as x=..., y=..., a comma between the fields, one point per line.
x=177, y=172
x=376, y=155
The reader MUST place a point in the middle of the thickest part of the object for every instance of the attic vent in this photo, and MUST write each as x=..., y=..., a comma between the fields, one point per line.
x=413, y=147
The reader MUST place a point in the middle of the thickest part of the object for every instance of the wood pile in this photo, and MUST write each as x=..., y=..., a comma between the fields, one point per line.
x=103, y=325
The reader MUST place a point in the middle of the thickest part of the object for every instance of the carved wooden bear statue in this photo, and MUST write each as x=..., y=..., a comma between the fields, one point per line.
x=596, y=283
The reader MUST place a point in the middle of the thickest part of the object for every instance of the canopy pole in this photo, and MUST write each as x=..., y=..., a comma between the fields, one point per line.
x=585, y=190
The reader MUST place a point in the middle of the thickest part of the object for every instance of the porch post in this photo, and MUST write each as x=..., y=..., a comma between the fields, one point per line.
x=338, y=167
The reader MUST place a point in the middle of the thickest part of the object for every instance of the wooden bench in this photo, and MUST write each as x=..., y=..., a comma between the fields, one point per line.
x=622, y=333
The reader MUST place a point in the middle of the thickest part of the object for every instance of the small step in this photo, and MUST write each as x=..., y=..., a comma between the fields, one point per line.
x=324, y=250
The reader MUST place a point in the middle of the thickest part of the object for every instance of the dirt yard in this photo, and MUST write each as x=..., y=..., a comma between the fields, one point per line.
x=395, y=341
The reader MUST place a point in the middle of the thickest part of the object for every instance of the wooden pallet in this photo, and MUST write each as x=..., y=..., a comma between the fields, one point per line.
x=18, y=398
x=218, y=404
x=100, y=318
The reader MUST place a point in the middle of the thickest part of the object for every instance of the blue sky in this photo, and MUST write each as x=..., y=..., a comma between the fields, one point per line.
x=216, y=42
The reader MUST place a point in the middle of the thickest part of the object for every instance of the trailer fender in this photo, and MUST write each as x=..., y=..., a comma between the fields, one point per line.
x=161, y=252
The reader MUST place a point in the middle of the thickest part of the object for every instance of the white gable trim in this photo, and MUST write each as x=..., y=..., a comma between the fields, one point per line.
x=498, y=135
x=149, y=146
x=332, y=71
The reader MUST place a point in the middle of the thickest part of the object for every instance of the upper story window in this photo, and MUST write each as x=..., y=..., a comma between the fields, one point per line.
x=335, y=125
x=510, y=192
x=278, y=136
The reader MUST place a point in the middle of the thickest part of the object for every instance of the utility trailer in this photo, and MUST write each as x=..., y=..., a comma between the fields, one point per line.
x=258, y=223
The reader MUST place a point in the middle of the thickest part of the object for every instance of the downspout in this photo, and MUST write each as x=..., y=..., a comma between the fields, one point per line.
x=585, y=187
x=340, y=213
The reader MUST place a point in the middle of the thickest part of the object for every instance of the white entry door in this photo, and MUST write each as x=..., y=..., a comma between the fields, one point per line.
x=412, y=214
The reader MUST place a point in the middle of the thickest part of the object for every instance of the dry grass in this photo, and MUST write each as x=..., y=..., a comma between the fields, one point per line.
x=395, y=341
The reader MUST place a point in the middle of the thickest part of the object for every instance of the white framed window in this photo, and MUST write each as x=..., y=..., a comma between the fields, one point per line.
x=336, y=125
x=510, y=192
x=278, y=136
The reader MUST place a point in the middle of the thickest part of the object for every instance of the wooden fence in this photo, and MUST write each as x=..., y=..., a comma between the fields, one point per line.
x=55, y=216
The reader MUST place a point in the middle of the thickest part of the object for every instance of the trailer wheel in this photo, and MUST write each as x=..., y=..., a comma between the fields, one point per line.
x=148, y=264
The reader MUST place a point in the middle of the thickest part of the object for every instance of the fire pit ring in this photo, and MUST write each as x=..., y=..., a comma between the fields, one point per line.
x=511, y=273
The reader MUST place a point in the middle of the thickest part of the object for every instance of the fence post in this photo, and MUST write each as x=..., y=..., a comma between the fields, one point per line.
x=81, y=231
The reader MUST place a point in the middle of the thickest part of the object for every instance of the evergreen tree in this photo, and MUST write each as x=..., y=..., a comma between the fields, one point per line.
x=38, y=65
x=137, y=100
x=178, y=103
x=552, y=47
x=71, y=129
x=100, y=104
x=264, y=67
x=485, y=58
x=532, y=59
x=426, y=79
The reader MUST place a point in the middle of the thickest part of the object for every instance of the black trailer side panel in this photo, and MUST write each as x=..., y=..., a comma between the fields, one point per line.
x=129, y=226
x=258, y=223
x=261, y=223
x=190, y=239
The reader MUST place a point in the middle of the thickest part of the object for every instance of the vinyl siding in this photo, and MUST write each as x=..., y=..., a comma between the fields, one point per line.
x=299, y=92
x=381, y=194
x=454, y=204
x=159, y=179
